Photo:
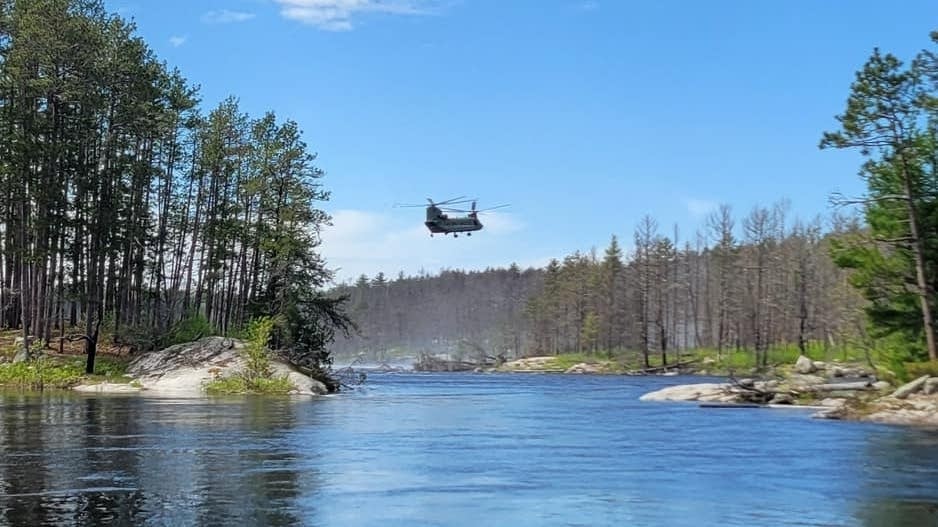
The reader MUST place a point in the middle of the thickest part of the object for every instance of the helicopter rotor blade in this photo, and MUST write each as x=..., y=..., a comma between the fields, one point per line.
x=451, y=201
x=493, y=208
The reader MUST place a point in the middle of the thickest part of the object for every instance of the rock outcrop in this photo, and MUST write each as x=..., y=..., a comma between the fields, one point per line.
x=708, y=392
x=845, y=391
x=532, y=364
x=183, y=369
x=586, y=367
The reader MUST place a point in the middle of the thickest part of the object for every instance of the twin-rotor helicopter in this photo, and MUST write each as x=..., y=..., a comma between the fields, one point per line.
x=439, y=222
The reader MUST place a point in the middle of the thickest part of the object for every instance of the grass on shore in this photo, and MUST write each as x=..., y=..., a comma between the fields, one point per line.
x=711, y=361
x=61, y=372
x=237, y=385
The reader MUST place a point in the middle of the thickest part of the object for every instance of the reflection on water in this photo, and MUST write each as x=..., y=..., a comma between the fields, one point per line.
x=454, y=450
x=124, y=460
x=899, y=479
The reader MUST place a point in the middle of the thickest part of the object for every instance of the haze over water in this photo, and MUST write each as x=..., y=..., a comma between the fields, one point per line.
x=455, y=450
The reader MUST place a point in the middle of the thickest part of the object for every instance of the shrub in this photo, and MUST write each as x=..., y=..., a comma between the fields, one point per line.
x=915, y=370
x=41, y=374
x=256, y=377
x=191, y=328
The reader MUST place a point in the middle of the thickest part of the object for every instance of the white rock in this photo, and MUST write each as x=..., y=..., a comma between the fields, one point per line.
x=690, y=392
x=804, y=365
x=584, y=367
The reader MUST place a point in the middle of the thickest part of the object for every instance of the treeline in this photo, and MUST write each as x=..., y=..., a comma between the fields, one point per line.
x=463, y=313
x=122, y=203
x=738, y=284
x=747, y=283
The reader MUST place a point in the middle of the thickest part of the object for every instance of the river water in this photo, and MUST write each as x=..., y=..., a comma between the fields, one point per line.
x=454, y=450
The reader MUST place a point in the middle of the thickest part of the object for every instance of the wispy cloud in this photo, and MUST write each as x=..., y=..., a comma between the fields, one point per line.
x=338, y=15
x=588, y=5
x=177, y=40
x=366, y=242
x=226, y=16
x=700, y=207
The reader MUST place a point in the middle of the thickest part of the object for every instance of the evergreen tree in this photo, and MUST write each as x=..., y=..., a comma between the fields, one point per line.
x=888, y=118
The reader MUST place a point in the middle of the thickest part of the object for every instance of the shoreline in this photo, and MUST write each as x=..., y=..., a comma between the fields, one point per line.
x=836, y=390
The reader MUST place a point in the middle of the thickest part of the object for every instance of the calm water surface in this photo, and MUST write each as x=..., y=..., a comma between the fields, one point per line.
x=455, y=450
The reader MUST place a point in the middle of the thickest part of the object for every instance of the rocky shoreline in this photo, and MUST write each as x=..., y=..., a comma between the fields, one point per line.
x=837, y=391
x=834, y=390
x=182, y=370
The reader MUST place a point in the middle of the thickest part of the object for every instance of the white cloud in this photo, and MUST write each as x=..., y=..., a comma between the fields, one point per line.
x=588, y=5
x=700, y=207
x=337, y=15
x=226, y=16
x=365, y=242
x=177, y=40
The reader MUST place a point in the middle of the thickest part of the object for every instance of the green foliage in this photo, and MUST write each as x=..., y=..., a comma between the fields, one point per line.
x=256, y=377
x=913, y=370
x=237, y=385
x=108, y=366
x=780, y=354
x=47, y=373
x=891, y=119
x=256, y=354
x=589, y=333
x=190, y=328
x=41, y=374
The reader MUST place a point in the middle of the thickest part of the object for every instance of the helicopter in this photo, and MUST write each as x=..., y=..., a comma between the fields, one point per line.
x=438, y=222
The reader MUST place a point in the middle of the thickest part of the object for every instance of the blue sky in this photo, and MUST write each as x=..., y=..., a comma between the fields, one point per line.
x=584, y=115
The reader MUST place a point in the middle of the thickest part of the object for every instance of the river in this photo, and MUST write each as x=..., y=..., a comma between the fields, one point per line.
x=454, y=450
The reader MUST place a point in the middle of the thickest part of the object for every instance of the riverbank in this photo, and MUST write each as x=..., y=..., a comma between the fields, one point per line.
x=578, y=363
x=182, y=370
x=848, y=390
x=838, y=391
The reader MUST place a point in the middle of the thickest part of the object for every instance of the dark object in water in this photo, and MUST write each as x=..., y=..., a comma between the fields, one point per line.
x=731, y=405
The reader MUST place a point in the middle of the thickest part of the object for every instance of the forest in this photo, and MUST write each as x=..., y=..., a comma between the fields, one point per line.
x=862, y=280
x=777, y=284
x=126, y=208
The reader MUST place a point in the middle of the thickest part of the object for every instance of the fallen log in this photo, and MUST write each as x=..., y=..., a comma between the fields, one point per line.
x=838, y=386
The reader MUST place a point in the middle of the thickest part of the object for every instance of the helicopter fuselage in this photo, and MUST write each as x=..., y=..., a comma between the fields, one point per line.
x=438, y=222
